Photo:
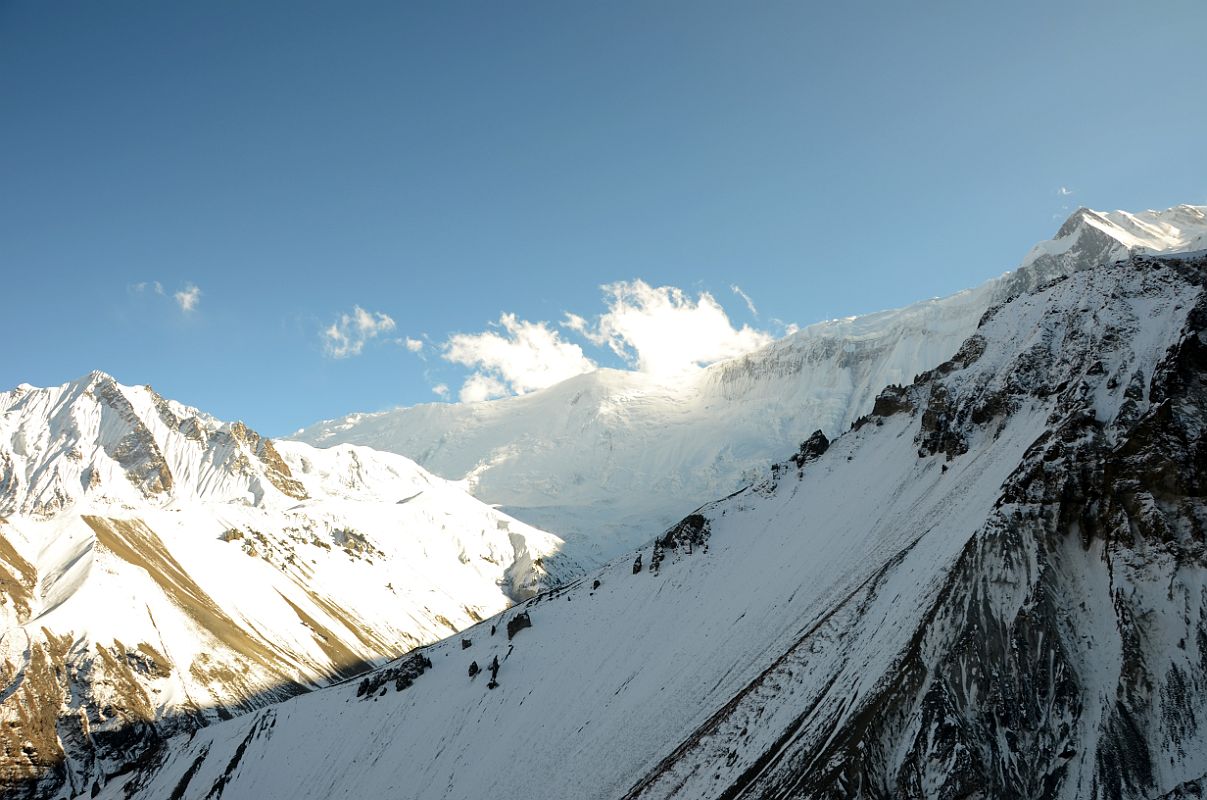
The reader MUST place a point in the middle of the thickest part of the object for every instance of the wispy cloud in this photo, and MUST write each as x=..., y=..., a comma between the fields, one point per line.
x=412, y=345
x=143, y=287
x=746, y=299
x=348, y=334
x=1063, y=192
x=187, y=298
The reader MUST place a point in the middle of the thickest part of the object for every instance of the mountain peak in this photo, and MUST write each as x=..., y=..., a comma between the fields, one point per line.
x=1178, y=228
x=96, y=442
x=1075, y=221
x=95, y=378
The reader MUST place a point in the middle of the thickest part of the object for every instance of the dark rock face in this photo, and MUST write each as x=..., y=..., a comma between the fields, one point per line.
x=137, y=451
x=692, y=531
x=518, y=623
x=275, y=469
x=892, y=400
x=940, y=432
x=403, y=675
x=689, y=535
x=811, y=449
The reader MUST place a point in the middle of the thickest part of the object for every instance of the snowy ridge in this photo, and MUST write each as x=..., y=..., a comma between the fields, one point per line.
x=974, y=592
x=604, y=458
x=162, y=569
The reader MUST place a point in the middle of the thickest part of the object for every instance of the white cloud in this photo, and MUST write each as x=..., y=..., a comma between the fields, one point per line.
x=412, y=345
x=480, y=386
x=576, y=323
x=663, y=331
x=657, y=330
x=348, y=334
x=1064, y=191
x=440, y=390
x=187, y=298
x=146, y=286
x=746, y=298
x=518, y=357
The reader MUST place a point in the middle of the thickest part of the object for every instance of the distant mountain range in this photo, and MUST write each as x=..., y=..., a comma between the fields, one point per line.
x=994, y=585
x=607, y=457
x=960, y=553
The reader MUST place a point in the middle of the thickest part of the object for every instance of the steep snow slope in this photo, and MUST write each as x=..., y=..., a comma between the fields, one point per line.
x=995, y=585
x=605, y=457
x=160, y=569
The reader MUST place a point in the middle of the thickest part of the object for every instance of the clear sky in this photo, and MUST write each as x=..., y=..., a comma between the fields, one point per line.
x=200, y=195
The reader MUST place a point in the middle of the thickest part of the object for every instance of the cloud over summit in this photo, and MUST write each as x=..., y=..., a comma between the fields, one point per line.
x=514, y=357
x=661, y=330
x=657, y=330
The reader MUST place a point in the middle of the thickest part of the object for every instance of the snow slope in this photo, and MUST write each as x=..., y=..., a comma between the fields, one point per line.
x=161, y=569
x=994, y=585
x=605, y=457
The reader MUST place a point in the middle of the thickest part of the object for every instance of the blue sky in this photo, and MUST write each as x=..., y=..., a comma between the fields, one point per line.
x=441, y=165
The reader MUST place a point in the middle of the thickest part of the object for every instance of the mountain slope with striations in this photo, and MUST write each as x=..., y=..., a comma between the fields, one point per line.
x=605, y=457
x=160, y=570
x=994, y=585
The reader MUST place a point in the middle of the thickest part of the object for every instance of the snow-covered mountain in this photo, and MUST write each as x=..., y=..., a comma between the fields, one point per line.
x=160, y=569
x=993, y=585
x=605, y=457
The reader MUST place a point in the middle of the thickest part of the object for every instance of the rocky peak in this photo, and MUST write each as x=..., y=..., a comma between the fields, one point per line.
x=95, y=440
x=1076, y=222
